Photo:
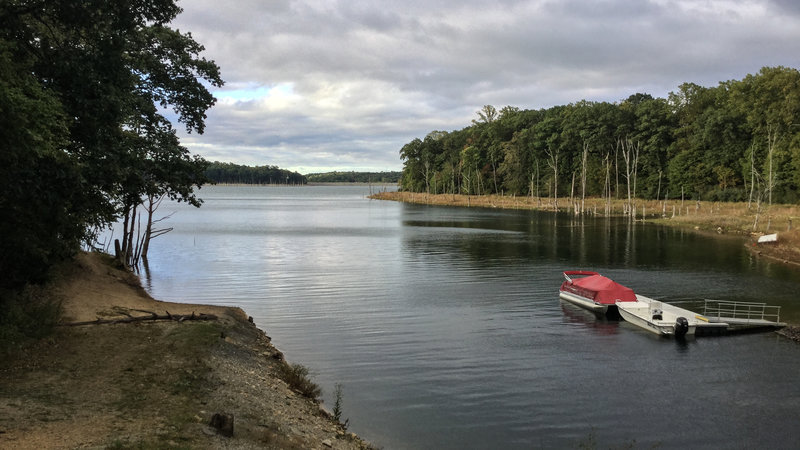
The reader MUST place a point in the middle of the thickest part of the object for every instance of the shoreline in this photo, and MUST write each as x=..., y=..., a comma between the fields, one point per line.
x=109, y=376
x=310, y=183
x=704, y=217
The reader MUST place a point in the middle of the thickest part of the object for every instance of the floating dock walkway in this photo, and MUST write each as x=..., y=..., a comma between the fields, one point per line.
x=722, y=316
x=743, y=315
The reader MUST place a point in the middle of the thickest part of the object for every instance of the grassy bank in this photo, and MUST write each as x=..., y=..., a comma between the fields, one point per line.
x=730, y=218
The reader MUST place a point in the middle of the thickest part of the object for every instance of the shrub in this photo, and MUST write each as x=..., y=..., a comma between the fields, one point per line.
x=27, y=314
x=297, y=377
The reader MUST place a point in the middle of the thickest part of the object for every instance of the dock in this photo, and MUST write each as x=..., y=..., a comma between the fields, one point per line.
x=722, y=316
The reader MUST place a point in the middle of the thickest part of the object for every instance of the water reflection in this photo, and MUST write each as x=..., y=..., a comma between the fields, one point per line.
x=587, y=320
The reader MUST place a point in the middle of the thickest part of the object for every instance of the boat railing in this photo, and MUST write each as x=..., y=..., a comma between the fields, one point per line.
x=741, y=310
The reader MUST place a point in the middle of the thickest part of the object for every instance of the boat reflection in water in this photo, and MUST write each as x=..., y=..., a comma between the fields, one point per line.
x=598, y=323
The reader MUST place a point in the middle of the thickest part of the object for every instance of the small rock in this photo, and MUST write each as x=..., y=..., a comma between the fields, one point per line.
x=327, y=443
x=223, y=422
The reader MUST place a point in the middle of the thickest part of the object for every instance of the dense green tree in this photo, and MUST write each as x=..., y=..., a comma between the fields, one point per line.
x=97, y=75
x=230, y=173
x=770, y=101
x=40, y=182
x=714, y=143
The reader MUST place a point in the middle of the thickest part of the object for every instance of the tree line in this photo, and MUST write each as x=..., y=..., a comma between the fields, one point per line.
x=84, y=86
x=354, y=177
x=737, y=141
x=230, y=173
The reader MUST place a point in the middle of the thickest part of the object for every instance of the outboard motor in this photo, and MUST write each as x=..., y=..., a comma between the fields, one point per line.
x=681, y=327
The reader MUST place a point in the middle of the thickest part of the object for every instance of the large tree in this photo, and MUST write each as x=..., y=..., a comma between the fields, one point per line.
x=103, y=73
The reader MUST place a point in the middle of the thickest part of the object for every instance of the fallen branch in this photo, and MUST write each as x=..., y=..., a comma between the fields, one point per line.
x=152, y=317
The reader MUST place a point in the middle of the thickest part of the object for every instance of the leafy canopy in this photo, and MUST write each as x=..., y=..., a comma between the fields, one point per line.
x=84, y=86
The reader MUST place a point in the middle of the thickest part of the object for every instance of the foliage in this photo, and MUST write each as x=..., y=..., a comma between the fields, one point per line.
x=354, y=177
x=230, y=173
x=696, y=143
x=337, y=406
x=297, y=377
x=83, y=89
x=27, y=314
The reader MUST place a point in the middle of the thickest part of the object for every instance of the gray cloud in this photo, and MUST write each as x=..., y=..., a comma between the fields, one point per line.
x=356, y=79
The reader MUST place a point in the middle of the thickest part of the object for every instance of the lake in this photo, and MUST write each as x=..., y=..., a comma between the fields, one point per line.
x=444, y=326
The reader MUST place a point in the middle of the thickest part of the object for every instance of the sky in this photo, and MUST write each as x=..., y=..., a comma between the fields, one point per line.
x=323, y=85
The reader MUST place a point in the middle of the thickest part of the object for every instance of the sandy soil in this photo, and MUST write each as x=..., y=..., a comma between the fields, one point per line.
x=152, y=384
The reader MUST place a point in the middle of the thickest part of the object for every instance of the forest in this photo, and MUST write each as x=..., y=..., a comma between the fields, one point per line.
x=229, y=173
x=738, y=141
x=85, y=87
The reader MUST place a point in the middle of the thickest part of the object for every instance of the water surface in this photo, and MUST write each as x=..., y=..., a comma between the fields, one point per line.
x=444, y=326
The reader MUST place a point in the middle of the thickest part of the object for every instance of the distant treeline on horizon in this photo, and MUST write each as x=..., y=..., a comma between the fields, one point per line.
x=354, y=177
x=229, y=173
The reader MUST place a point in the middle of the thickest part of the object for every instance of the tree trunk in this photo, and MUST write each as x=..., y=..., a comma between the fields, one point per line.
x=148, y=233
x=553, y=163
x=583, y=174
x=752, y=175
x=494, y=172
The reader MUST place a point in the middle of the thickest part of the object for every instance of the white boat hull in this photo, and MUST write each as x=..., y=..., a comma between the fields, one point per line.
x=583, y=302
x=645, y=313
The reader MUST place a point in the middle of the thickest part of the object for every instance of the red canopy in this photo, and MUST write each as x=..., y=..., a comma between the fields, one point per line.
x=604, y=290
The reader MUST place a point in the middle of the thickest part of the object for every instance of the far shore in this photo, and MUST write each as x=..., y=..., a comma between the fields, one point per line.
x=735, y=218
x=332, y=183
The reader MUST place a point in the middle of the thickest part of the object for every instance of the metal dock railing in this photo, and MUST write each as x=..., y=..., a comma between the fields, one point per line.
x=742, y=314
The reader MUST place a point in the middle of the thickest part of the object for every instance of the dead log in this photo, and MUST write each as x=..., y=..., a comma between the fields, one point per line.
x=152, y=317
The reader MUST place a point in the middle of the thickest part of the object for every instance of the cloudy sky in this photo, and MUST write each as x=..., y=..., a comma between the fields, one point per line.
x=319, y=85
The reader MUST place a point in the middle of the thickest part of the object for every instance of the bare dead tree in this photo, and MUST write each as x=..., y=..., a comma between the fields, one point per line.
x=427, y=169
x=538, y=197
x=658, y=192
x=616, y=168
x=760, y=194
x=572, y=195
x=493, y=157
x=552, y=161
x=607, y=186
x=153, y=204
x=583, y=174
x=630, y=153
x=772, y=140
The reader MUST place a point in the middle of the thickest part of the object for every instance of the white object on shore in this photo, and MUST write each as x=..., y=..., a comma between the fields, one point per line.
x=768, y=238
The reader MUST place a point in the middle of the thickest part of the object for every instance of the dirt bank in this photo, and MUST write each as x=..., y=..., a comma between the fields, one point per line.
x=152, y=384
